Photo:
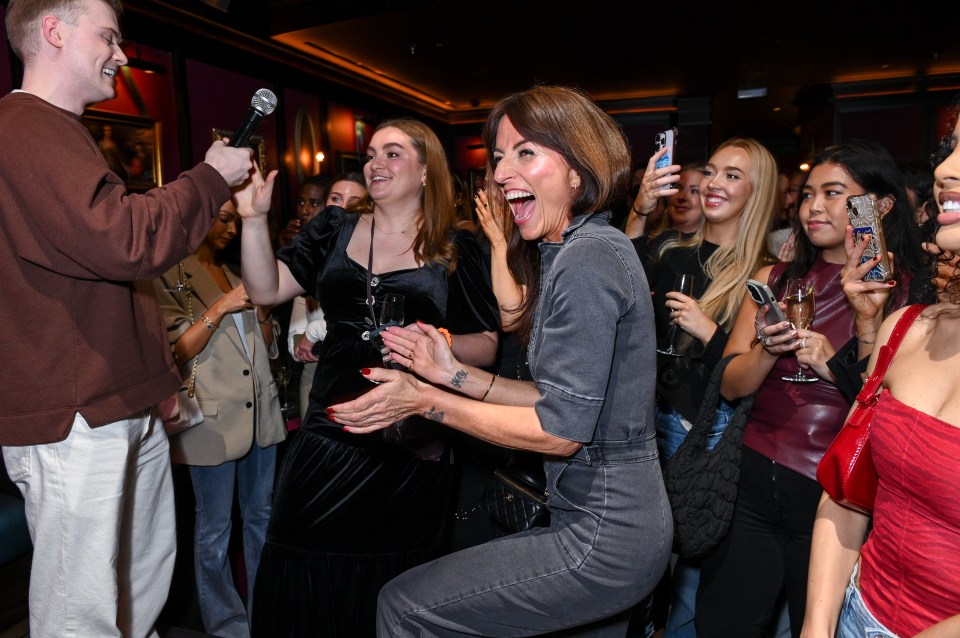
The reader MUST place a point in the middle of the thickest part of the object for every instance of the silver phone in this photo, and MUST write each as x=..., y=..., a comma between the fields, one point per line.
x=761, y=294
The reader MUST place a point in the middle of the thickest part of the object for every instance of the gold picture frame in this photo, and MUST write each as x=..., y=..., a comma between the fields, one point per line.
x=257, y=143
x=130, y=146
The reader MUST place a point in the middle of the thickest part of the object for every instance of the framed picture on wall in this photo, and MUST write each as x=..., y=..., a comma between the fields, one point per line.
x=257, y=143
x=131, y=146
x=349, y=163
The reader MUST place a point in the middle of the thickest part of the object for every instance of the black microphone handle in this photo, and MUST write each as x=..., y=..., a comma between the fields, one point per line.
x=246, y=129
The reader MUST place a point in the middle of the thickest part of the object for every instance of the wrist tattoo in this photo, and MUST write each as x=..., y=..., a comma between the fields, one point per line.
x=434, y=415
x=458, y=378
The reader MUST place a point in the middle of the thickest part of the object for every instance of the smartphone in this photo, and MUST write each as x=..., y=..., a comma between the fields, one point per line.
x=761, y=294
x=666, y=139
x=866, y=219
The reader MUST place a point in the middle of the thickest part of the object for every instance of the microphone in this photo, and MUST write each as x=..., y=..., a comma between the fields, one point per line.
x=261, y=105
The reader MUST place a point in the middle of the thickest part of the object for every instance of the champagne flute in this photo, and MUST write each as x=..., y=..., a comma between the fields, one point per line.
x=282, y=373
x=801, y=306
x=682, y=283
x=391, y=312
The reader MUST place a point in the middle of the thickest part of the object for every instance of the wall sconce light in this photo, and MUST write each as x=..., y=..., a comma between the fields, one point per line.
x=308, y=150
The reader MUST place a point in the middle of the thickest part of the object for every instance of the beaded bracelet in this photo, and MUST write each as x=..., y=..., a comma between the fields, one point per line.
x=446, y=333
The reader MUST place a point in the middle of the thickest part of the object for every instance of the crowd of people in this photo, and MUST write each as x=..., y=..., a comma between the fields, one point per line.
x=346, y=521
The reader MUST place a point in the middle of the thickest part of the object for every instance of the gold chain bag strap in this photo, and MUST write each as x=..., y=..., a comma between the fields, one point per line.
x=186, y=414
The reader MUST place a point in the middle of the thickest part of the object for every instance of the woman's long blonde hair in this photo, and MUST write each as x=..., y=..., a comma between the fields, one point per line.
x=731, y=265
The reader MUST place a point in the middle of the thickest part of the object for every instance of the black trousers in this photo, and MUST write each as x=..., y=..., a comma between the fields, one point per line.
x=766, y=553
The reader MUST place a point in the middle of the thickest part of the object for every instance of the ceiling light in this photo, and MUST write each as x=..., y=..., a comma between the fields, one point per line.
x=744, y=94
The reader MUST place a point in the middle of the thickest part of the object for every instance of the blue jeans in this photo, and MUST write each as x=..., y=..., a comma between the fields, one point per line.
x=685, y=575
x=672, y=428
x=856, y=621
x=221, y=608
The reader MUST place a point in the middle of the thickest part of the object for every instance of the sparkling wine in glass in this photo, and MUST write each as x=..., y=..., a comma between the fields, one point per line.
x=391, y=312
x=682, y=283
x=801, y=306
x=282, y=373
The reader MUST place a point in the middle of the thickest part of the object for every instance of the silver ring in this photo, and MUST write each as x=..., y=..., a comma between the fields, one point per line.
x=803, y=342
x=766, y=342
x=410, y=356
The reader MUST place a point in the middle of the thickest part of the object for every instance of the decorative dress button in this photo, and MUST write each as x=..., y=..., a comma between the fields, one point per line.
x=249, y=404
x=375, y=281
x=246, y=373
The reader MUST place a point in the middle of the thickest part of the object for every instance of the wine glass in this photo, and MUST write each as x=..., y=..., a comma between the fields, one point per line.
x=391, y=312
x=181, y=286
x=282, y=373
x=682, y=283
x=801, y=305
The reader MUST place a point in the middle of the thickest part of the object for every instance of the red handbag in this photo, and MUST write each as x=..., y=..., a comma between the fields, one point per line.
x=846, y=471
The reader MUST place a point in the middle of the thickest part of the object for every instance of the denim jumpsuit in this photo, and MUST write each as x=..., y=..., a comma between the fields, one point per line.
x=592, y=358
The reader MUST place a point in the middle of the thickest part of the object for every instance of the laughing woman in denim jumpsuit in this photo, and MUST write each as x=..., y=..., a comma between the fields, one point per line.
x=557, y=162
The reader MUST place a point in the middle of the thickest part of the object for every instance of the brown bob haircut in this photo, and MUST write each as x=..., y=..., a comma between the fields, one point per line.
x=592, y=144
x=568, y=123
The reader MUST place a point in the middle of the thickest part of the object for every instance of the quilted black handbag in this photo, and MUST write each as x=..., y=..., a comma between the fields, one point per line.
x=516, y=500
x=702, y=485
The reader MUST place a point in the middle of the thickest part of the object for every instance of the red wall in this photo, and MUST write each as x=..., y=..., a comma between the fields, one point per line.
x=463, y=158
x=156, y=93
x=219, y=98
x=293, y=103
x=341, y=132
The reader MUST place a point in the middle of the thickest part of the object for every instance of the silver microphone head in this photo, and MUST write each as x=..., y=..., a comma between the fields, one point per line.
x=264, y=101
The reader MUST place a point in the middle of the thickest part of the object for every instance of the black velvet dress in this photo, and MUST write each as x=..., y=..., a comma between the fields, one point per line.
x=352, y=511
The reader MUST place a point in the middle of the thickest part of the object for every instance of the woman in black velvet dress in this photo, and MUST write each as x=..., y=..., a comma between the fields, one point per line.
x=351, y=512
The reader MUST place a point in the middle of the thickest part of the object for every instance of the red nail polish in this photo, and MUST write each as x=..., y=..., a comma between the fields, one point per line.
x=344, y=428
x=365, y=371
x=331, y=411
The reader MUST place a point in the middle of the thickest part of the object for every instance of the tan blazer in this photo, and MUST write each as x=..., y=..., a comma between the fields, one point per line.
x=237, y=394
